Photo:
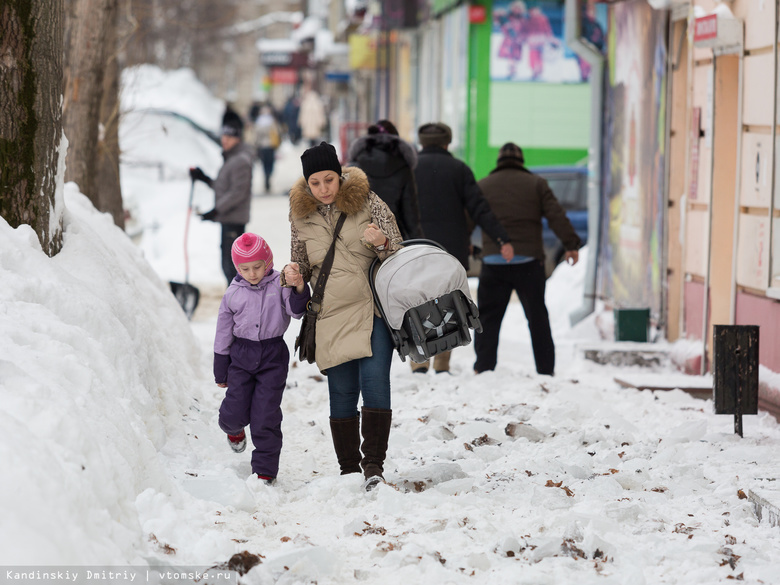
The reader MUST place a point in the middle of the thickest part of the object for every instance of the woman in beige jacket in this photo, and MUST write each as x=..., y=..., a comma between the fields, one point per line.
x=354, y=346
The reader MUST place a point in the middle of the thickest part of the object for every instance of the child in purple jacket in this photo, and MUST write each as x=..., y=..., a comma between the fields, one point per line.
x=251, y=358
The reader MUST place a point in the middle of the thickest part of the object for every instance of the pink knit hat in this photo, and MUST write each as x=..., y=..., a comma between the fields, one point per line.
x=251, y=248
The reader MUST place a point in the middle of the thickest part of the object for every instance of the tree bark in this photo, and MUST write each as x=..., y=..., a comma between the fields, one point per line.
x=107, y=184
x=87, y=24
x=31, y=117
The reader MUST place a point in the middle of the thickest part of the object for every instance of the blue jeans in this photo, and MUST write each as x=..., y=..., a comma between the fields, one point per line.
x=369, y=376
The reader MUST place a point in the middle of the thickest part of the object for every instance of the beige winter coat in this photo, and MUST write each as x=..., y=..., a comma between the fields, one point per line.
x=345, y=322
x=311, y=115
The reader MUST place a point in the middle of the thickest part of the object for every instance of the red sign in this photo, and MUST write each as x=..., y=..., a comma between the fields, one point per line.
x=284, y=75
x=477, y=14
x=706, y=28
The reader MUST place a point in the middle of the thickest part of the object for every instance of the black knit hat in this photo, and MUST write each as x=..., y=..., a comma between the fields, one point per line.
x=434, y=133
x=320, y=158
x=510, y=151
x=232, y=125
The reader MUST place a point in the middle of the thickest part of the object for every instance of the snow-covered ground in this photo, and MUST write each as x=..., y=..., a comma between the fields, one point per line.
x=113, y=460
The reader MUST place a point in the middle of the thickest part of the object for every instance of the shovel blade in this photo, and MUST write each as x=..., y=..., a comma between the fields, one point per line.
x=187, y=295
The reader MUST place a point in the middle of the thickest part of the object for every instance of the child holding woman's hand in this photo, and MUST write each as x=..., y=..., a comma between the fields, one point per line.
x=251, y=358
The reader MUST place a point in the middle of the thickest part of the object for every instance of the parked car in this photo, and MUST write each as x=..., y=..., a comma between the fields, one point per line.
x=570, y=185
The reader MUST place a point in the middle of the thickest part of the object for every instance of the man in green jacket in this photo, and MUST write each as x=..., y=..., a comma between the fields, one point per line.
x=519, y=199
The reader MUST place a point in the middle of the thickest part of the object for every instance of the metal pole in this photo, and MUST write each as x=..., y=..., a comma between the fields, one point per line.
x=378, y=68
x=387, y=72
x=706, y=303
x=738, y=397
x=684, y=201
x=596, y=61
x=737, y=190
x=662, y=318
x=774, y=145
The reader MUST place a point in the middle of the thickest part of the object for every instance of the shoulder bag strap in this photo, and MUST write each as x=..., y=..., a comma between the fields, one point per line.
x=316, y=298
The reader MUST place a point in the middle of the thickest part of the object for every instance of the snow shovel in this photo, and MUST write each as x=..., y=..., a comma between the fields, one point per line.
x=187, y=295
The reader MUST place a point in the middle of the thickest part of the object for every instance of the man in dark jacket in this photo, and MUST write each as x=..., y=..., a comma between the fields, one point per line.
x=447, y=191
x=232, y=188
x=389, y=164
x=520, y=200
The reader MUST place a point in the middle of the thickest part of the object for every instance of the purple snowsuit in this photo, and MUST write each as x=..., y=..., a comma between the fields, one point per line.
x=251, y=356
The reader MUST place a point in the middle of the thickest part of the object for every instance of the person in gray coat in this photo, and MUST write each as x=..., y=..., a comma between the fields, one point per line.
x=232, y=188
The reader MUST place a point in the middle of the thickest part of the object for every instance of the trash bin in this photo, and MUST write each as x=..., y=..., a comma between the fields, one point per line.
x=632, y=324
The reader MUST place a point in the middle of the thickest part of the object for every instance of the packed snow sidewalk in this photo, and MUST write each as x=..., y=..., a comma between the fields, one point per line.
x=128, y=466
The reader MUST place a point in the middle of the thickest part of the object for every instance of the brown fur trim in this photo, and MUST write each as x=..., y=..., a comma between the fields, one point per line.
x=350, y=199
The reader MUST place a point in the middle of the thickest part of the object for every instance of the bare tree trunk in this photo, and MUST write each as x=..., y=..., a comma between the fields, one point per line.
x=31, y=117
x=85, y=56
x=107, y=183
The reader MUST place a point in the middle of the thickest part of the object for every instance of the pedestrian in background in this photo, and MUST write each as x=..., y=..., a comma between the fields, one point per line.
x=520, y=199
x=447, y=192
x=251, y=359
x=389, y=163
x=290, y=114
x=353, y=344
x=232, y=188
x=311, y=116
x=267, y=140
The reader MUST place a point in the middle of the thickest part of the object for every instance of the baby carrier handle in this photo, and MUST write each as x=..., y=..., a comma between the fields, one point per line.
x=396, y=336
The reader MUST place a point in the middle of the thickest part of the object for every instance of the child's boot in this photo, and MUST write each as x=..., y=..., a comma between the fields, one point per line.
x=266, y=479
x=237, y=442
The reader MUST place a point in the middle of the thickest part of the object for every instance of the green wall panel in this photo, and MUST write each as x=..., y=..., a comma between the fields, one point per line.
x=540, y=115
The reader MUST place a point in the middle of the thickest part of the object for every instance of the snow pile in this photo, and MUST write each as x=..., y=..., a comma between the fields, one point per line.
x=149, y=87
x=95, y=356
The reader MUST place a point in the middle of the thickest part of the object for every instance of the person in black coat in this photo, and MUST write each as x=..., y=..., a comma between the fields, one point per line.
x=448, y=193
x=389, y=163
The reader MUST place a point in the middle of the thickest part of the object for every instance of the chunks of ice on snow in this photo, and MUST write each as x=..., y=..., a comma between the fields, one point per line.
x=438, y=413
x=510, y=544
x=443, y=433
x=307, y=564
x=687, y=432
x=429, y=475
x=518, y=430
x=456, y=486
x=545, y=547
x=479, y=561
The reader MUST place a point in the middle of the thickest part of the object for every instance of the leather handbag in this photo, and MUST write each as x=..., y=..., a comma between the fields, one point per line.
x=305, y=343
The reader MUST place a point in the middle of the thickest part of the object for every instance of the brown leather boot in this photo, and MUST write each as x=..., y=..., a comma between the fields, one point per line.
x=419, y=368
x=346, y=442
x=441, y=362
x=376, y=430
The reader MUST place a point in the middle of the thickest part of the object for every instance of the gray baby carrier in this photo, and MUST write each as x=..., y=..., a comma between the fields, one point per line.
x=423, y=296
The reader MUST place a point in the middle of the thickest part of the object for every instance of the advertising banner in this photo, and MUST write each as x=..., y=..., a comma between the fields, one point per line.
x=634, y=110
x=527, y=43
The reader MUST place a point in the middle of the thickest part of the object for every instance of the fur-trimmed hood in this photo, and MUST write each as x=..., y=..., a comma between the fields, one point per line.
x=350, y=199
x=386, y=142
